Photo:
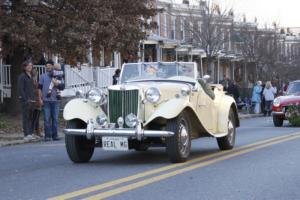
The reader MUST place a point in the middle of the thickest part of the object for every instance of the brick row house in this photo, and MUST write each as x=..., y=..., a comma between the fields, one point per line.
x=176, y=38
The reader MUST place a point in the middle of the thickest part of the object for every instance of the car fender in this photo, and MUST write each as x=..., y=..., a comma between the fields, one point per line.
x=170, y=109
x=81, y=109
x=224, y=107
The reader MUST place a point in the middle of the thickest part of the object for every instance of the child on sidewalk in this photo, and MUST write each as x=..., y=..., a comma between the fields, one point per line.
x=57, y=76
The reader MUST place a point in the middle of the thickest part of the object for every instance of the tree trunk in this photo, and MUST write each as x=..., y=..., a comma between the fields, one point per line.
x=16, y=70
x=210, y=68
x=245, y=78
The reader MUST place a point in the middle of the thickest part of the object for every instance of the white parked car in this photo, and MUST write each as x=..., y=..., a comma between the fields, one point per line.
x=154, y=104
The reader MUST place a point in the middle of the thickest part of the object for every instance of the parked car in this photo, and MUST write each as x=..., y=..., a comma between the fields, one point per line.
x=153, y=105
x=282, y=103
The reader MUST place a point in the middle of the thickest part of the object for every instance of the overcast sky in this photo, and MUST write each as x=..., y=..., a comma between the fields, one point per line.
x=284, y=12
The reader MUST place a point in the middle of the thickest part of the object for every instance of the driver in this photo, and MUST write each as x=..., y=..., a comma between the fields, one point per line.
x=151, y=70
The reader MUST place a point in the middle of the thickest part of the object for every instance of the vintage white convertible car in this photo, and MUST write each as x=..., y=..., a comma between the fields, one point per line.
x=154, y=105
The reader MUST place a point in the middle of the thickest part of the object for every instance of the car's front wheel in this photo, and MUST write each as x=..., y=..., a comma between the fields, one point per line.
x=179, y=145
x=227, y=142
x=278, y=122
x=79, y=148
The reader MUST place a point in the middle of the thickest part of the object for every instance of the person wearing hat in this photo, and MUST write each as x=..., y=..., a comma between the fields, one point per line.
x=51, y=102
x=27, y=98
x=256, y=97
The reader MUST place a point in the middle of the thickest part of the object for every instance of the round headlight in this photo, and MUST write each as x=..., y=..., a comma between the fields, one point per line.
x=131, y=120
x=152, y=95
x=97, y=96
x=276, y=102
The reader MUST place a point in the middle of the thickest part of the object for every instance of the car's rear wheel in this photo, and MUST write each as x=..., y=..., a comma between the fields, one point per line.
x=79, y=148
x=179, y=145
x=278, y=122
x=227, y=142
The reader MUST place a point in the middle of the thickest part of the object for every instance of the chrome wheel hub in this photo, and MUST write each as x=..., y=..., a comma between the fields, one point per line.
x=184, y=137
x=230, y=131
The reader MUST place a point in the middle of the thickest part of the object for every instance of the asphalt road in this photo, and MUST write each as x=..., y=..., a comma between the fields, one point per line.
x=264, y=165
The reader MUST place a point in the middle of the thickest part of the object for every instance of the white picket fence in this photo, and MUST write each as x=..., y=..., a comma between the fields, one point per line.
x=5, y=81
x=82, y=79
x=104, y=76
x=76, y=79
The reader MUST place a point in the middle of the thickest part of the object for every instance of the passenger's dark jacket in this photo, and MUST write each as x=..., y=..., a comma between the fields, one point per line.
x=25, y=88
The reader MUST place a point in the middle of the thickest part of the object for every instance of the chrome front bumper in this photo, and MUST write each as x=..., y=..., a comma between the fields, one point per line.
x=137, y=132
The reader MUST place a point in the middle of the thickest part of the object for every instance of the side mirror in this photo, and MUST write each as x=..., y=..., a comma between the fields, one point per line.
x=206, y=77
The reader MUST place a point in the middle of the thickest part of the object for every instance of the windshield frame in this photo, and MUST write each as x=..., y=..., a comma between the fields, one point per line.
x=158, y=64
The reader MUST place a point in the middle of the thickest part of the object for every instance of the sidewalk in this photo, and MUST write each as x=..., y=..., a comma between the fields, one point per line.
x=9, y=139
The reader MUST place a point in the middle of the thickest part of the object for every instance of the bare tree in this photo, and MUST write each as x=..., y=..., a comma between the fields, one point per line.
x=258, y=47
x=208, y=27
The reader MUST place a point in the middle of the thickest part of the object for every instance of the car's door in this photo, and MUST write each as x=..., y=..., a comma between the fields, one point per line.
x=206, y=110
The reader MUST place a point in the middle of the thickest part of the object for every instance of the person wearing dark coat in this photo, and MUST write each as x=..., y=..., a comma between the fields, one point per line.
x=116, y=77
x=26, y=97
x=233, y=90
x=263, y=101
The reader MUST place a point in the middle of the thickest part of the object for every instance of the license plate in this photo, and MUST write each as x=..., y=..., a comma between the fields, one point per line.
x=115, y=143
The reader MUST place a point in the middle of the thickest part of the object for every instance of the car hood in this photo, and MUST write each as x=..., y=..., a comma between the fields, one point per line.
x=167, y=89
x=289, y=100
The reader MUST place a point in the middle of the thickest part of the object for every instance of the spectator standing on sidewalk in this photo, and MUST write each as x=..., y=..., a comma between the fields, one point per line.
x=51, y=103
x=37, y=105
x=263, y=100
x=269, y=94
x=233, y=90
x=285, y=87
x=26, y=98
x=256, y=97
x=116, y=76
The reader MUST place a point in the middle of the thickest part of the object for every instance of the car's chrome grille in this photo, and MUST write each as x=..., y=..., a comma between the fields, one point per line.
x=122, y=103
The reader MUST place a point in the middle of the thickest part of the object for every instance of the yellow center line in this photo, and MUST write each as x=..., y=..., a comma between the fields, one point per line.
x=180, y=171
x=159, y=170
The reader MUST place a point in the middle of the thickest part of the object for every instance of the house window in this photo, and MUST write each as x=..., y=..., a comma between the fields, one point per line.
x=182, y=33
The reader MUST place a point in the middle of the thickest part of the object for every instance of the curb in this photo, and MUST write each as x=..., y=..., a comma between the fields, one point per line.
x=6, y=143
x=17, y=142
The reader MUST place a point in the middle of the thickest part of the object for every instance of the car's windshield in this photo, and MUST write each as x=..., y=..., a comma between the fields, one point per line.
x=294, y=88
x=156, y=71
